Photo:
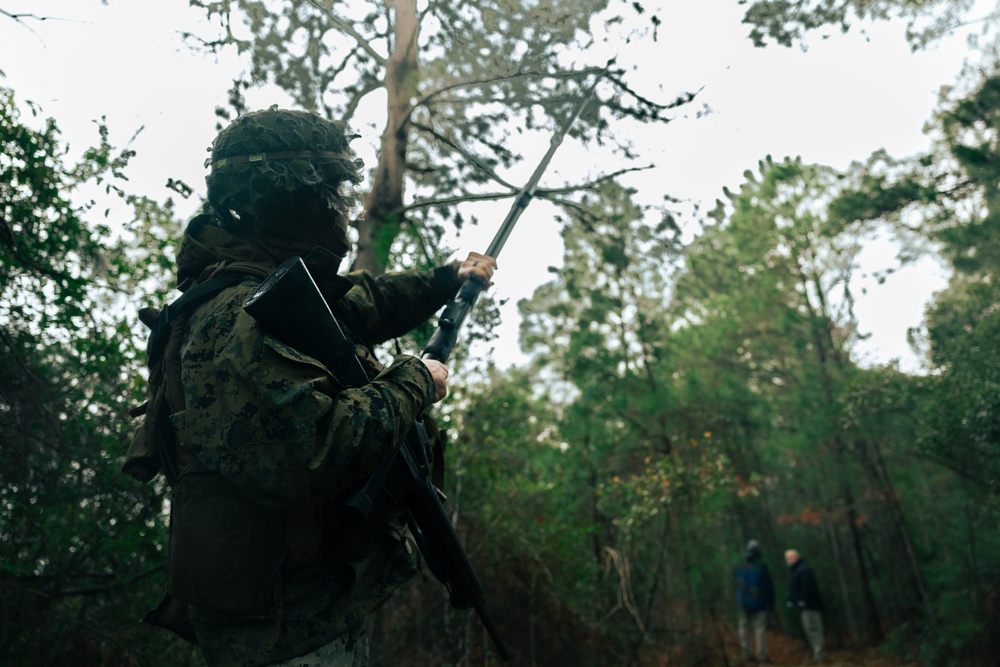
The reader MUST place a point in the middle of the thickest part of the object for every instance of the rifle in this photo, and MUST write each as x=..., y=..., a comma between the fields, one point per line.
x=403, y=480
x=289, y=306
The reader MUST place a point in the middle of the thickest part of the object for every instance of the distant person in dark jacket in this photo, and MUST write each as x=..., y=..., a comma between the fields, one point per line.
x=804, y=595
x=754, y=597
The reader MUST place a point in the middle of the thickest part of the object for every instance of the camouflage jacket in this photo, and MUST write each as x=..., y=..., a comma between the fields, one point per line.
x=267, y=440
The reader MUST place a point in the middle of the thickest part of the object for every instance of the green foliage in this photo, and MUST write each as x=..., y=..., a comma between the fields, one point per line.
x=951, y=197
x=527, y=520
x=675, y=482
x=815, y=443
x=963, y=427
x=970, y=128
x=948, y=199
x=962, y=324
x=787, y=21
x=639, y=432
x=78, y=539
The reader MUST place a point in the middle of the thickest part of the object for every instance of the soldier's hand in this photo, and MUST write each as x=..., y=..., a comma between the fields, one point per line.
x=479, y=265
x=440, y=374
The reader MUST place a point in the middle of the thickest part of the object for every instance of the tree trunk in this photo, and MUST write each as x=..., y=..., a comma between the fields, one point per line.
x=384, y=204
x=872, y=622
x=845, y=593
x=830, y=359
x=902, y=530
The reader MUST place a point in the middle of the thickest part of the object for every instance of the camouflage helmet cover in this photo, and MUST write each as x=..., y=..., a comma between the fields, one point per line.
x=262, y=153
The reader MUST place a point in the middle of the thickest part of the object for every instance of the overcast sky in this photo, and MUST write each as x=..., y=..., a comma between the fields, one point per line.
x=833, y=103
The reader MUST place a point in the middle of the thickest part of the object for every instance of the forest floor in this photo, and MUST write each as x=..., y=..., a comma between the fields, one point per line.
x=784, y=650
x=787, y=650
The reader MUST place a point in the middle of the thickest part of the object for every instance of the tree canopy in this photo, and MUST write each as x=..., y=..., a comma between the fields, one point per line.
x=460, y=84
x=789, y=22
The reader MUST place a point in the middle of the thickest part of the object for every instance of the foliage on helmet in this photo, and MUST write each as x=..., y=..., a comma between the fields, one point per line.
x=266, y=153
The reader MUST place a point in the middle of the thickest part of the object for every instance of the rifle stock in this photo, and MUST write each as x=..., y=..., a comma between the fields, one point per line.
x=289, y=306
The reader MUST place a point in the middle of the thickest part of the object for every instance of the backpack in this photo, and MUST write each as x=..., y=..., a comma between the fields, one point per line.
x=153, y=448
x=751, y=587
x=206, y=516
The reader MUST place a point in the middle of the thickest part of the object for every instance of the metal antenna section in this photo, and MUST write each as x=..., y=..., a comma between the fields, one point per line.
x=453, y=316
x=528, y=191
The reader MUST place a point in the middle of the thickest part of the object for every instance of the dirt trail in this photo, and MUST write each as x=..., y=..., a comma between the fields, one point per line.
x=787, y=650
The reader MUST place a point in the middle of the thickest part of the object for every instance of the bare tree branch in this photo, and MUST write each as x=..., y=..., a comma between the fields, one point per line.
x=459, y=199
x=18, y=19
x=466, y=154
x=427, y=98
x=362, y=42
x=546, y=194
x=352, y=106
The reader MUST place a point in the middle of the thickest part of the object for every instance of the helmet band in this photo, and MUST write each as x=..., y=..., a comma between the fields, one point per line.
x=280, y=155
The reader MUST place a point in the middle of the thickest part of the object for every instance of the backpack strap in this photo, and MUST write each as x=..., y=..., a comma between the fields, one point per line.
x=191, y=299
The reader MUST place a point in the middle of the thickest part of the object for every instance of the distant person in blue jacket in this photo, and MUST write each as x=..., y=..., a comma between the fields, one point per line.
x=754, y=597
x=804, y=595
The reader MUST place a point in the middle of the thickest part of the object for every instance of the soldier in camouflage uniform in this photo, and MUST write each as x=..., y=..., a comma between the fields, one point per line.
x=257, y=440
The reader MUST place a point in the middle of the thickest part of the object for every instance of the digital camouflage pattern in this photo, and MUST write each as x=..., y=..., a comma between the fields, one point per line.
x=271, y=440
x=277, y=151
x=246, y=391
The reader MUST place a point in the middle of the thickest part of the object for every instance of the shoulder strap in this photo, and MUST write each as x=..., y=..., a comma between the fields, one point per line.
x=190, y=299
